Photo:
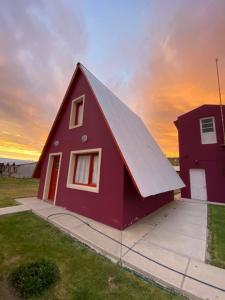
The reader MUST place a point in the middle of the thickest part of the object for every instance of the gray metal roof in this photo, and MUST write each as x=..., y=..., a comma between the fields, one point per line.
x=149, y=168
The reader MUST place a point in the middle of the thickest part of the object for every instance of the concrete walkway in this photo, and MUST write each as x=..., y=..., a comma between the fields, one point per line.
x=168, y=246
x=13, y=209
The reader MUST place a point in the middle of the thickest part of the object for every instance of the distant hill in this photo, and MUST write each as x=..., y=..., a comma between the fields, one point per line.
x=16, y=161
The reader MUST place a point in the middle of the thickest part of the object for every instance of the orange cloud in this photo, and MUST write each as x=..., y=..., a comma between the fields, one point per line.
x=179, y=73
x=38, y=44
x=163, y=69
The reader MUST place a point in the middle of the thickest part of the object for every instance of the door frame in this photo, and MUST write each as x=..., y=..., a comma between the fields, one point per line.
x=48, y=176
x=200, y=169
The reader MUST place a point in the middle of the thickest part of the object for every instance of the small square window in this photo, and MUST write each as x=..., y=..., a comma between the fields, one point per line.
x=76, y=113
x=84, y=170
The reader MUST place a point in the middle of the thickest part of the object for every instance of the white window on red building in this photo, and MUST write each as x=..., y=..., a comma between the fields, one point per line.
x=208, y=130
x=77, y=112
x=84, y=170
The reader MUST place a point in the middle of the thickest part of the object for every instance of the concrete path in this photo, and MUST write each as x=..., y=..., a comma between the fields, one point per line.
x=13, y=209
x=168, y=246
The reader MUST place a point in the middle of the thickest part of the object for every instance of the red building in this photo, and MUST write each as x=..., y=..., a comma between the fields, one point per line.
x=99, y=159
x=202, y=153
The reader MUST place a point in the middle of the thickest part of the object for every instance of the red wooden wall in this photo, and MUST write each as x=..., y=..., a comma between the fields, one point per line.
x=117, y=204
x=193, y=154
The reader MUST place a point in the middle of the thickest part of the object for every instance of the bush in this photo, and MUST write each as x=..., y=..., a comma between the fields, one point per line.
x=32, y=279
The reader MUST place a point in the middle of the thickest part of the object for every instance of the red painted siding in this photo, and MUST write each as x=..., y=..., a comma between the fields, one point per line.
x=118, y=203
x=135, y=207
x=193, y=154
x=105, y=206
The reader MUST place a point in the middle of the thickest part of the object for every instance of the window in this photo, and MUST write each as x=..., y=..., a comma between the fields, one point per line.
x=207, y=125
x=208, y=130
x=84, y=170
x=76, y=113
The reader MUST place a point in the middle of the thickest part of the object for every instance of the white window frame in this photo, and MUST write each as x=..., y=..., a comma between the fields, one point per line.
x=70, y=183
x=48, y=176
x=72, y=112
x=208, y=137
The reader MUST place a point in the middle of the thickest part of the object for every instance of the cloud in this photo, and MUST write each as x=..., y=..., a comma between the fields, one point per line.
x=162, y=62
x=40, y=42
x=178, y=73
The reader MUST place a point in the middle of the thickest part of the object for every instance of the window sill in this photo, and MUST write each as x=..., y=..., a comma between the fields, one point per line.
x=93, y=189
x=75, y=126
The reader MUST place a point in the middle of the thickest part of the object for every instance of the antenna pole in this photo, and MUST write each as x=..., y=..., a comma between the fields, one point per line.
x=221, y=106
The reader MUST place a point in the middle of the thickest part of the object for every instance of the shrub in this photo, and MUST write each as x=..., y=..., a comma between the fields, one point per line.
x=32, y=279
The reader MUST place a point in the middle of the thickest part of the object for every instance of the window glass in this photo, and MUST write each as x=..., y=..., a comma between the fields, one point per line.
x=208, y=130
x=207, y=125
x=95, y=170
x=82, y=164
x=78, y=113
x=86, y=169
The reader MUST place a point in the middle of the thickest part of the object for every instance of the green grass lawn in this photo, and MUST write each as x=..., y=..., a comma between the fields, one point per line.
x=216, y=225
x=11, y=188
x=84, y=274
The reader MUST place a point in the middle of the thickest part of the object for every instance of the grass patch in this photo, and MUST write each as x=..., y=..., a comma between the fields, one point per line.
x=84, y=274
x=11, y=188
x=216, y=225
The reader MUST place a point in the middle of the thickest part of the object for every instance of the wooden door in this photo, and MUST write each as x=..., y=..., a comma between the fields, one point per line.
x=54, y=176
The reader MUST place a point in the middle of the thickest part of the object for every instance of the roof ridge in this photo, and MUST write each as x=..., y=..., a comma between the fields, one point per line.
x=80, y=64
x=199, y=107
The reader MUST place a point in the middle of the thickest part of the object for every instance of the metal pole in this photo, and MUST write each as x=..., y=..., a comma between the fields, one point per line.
x=221, y=106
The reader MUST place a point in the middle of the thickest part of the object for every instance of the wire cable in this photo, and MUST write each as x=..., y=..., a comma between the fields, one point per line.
x=138, y=253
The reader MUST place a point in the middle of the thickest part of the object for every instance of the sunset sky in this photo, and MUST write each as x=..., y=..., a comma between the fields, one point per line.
x=158, y=56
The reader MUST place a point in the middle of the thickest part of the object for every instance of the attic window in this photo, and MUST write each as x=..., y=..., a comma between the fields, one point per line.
x=208, y=130
x=76, y=113
x=84, y=170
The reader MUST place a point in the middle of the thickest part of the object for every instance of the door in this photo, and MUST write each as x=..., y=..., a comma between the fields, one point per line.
x=198, y=184
x=54, y=177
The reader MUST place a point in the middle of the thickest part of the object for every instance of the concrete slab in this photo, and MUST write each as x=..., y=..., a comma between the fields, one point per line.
x=48, y=211
x=129, y=237
x=160, y=215
x=13, y=209
x=179, y=243
x=195, y=231
x=99, y=242
x=180, y=227
x=107, y=230
x=201, y=291
x=161, y=255
x=66, y=221
x=189, y=219
x=135, y=233
x=207, y=273
x=152, y=270
x=27, y=200
x=33, y=203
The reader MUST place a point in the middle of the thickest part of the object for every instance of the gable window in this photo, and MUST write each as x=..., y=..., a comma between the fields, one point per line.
x=84, y=170
x=208, y=130
x=76, y=113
